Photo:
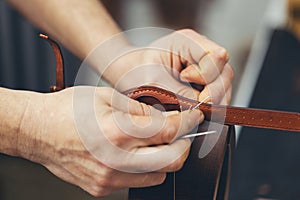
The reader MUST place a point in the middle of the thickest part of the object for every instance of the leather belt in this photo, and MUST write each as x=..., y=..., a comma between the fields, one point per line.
x=260, y=118
x=229, y=115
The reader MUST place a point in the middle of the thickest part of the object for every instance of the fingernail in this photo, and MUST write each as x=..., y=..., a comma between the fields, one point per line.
x=184, y=75
x=189, y=73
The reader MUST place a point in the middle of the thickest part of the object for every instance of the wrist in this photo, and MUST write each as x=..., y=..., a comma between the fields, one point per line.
x=15, y=111
x=31, y=127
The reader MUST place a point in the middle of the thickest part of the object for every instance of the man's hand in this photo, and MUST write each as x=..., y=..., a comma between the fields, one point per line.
x=174, y=62
x=103, y=141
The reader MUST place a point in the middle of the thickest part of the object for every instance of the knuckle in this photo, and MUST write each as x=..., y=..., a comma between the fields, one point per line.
x=101, y=182
x=95, y=193
x=116, y=139
x=177, y=165
x=156, y=179
x=107, y=174
x=230, y=72
x=161, y=179
x=106, y=91
x=191, y=33
x=100, y=192
x=187, y=31
x=222, y=54
x=113, y=134
x=168, y=134
x=104, y=179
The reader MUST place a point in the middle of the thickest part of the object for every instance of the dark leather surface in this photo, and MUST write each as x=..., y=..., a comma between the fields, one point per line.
x=200, y=178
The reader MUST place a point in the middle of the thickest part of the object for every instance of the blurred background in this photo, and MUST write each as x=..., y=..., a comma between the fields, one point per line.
x=262, y=38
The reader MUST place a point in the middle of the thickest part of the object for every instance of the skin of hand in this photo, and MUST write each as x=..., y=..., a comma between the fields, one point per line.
x=181, y=58
x=49, y=134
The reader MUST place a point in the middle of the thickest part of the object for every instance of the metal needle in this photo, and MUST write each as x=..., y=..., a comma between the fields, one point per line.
x=201, y=102
x=197, y=134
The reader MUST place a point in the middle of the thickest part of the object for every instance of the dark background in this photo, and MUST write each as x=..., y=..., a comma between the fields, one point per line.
x=267, y=162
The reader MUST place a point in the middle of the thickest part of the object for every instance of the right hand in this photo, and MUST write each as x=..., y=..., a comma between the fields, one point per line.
x=119, y=151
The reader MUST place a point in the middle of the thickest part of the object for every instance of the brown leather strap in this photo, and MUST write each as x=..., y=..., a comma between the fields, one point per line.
x=60, y=80
x=223, y=114
x=230, y=115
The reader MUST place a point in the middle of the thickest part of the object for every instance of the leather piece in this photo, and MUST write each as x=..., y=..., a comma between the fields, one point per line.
x=205, y=178
x=60, y=80
x=279, y=120
x=222, y=114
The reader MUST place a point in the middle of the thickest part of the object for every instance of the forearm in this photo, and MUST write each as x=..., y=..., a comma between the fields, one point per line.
x=79, y=25
x=14, y=112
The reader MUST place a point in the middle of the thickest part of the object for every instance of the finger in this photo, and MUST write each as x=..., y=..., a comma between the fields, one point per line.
x=227, y=98
x=177, y=164
x=123, y=103
x=188, y=47
x=157, y=129
x=175, y=126
x=95, y=174
x=83, y=177
x=217, y=89
x=192, y=74
x=203, y=44
x=207, y=70
x=122, y=180
x=136, y=180
x=162, y=158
